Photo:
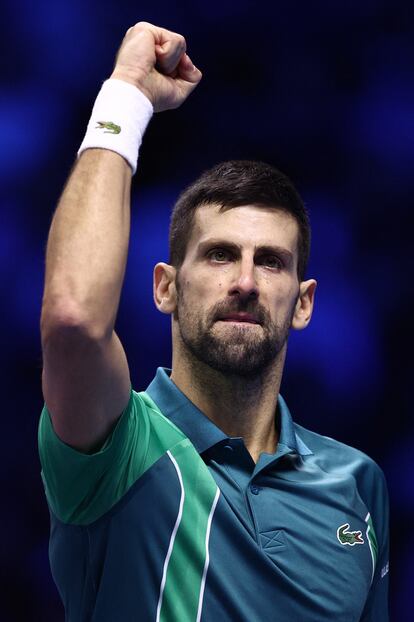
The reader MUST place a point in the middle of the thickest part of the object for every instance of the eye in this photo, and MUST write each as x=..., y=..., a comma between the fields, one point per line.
x=271, y=261
x=219, y=255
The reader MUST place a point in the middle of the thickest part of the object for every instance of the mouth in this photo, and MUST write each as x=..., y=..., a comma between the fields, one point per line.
x=240, y=318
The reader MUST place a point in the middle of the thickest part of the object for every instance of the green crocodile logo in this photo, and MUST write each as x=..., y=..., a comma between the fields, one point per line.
x=349, y=537
x=110, y=128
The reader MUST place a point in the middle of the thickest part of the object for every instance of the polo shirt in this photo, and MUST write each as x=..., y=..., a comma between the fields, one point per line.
x=172, y=521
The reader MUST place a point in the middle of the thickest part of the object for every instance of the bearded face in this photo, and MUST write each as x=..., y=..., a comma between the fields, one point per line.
x=236, y=295
x=234, y=336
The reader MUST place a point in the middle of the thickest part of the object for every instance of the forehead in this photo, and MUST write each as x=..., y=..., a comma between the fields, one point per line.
x=247, y=226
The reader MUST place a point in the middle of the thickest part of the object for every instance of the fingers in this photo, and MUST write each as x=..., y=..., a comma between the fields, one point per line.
x=169, y=46
x=147, y=47
x=170, y=51
x=169, y=54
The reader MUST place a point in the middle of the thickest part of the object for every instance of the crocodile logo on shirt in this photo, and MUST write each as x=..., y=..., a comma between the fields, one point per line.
x=111, y=128
x=349, y=537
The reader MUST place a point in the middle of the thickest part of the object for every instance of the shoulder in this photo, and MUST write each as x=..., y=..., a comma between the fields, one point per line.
x=334, y=456
x=343, y=461
x=339, y=459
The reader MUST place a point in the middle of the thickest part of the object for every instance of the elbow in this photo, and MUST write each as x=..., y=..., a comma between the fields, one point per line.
x=63, y=322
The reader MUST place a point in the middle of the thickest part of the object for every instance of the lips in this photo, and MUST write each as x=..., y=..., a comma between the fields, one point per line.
x=239, y=317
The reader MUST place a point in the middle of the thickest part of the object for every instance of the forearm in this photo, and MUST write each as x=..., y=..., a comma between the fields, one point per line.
x=88, y=240
x=88, y=243
x=86, y=381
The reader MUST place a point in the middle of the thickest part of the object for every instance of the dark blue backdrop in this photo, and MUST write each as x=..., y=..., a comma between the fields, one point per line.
x=323, y=90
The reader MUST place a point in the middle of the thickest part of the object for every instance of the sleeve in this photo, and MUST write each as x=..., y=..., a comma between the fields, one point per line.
x=82, y=487
x=376, y=607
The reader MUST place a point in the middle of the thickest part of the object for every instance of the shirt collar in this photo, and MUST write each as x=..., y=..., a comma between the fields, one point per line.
x=288, y=435
x=201, y=431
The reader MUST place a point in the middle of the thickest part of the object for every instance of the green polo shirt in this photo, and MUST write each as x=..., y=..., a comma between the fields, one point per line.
x=173, y=521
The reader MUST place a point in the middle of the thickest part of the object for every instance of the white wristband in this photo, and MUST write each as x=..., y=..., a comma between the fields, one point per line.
x=119, y=118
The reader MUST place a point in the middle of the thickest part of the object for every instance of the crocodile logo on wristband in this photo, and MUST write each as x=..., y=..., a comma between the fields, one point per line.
x=109, y=127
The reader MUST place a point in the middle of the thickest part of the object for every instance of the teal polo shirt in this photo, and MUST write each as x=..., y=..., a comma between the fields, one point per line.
x=172, y=521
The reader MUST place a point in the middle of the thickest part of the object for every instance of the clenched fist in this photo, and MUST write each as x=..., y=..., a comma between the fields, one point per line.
x=155, y=61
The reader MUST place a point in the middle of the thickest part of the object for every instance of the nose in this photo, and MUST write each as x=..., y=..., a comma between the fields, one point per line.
x=244, y=285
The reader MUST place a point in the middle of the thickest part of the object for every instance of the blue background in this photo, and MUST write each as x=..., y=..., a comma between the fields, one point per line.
x=323, y=90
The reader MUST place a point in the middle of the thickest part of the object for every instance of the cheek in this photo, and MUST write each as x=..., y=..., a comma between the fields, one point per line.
x=194, y=297
x=203, y=288
x=284, y=300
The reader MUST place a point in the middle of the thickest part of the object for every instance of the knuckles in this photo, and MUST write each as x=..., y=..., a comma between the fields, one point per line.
x=142, y=26
x=175, y=38
x=165, y=50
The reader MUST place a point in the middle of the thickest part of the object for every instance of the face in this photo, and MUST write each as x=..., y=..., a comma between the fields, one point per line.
x=237, y=291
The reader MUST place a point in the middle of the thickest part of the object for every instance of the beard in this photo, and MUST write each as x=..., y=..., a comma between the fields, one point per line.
x=234, y=350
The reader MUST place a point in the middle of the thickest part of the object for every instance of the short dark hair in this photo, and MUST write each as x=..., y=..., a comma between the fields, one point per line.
x=233, y=184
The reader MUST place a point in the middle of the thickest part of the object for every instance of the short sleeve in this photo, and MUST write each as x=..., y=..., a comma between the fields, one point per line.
x=82, y=487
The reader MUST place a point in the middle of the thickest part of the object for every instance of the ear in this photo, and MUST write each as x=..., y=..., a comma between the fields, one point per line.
x=165, y=293
x=304, y=304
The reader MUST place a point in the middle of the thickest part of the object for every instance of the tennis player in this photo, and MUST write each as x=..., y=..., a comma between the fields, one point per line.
x=198, y=499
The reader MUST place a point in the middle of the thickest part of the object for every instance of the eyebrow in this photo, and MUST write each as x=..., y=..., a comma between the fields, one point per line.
x=236, y=248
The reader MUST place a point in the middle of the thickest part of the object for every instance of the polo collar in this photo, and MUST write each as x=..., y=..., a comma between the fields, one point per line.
x=201, y=431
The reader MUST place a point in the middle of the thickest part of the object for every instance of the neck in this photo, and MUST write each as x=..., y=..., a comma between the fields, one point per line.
x=240, y=406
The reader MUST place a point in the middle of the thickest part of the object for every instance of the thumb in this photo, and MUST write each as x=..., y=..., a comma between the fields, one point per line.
x=187, y=71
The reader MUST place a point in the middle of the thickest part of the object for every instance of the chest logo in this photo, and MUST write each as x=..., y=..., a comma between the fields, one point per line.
x=349, y=537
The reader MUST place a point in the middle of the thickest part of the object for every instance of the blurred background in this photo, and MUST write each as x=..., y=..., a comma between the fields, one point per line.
x=324, y=91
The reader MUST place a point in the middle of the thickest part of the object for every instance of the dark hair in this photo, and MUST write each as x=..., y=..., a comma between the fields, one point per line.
x=233, y=184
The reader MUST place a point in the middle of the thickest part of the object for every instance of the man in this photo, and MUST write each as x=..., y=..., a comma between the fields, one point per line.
x=198, y=499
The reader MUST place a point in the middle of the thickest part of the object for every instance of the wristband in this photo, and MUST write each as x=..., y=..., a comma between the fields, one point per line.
x=119, y=118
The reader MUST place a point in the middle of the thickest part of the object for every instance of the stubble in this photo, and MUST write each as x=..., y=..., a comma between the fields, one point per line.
x=244, y=350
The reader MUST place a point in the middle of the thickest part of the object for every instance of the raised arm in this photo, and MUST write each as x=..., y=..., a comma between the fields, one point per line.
x=86, y=380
